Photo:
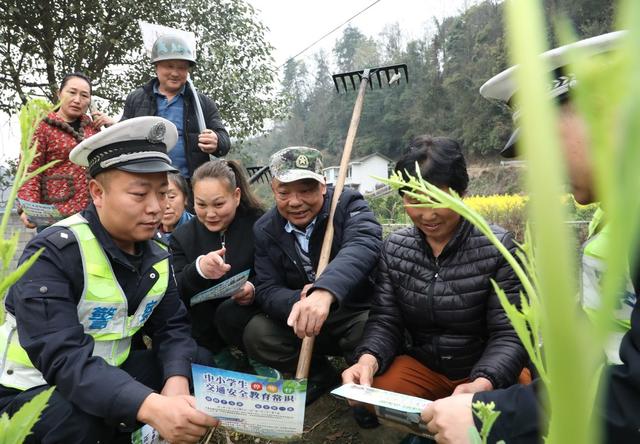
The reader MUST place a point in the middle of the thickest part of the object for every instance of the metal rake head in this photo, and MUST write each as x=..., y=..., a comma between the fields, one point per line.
x=259, y=174
x=380, y=76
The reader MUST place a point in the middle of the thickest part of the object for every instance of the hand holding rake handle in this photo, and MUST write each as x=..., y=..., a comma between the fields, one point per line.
x=306, y=350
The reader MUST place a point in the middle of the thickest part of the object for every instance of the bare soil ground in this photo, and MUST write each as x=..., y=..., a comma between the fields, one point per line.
x=328, y=420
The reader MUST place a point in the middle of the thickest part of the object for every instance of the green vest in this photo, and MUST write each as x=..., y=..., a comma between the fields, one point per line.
x=102, y=311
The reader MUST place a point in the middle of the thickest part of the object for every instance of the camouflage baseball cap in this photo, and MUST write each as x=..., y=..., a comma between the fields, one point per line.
x=296, y=163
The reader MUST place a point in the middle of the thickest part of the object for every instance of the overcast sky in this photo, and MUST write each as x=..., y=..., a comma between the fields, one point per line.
x=295, y=24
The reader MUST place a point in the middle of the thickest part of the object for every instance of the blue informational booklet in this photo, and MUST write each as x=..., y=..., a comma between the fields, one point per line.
x=394, y=409
x=39, y=213
x=254, y=405
x=263, y=407
x=147, y=435
x=224, y=289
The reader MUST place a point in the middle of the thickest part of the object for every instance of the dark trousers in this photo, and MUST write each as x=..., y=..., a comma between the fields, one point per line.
x=231, y=320
x=64, y=422
x=275, y=344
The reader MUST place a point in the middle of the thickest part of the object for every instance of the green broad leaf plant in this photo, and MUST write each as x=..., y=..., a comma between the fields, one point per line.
x=565, y=349
x=14, y=430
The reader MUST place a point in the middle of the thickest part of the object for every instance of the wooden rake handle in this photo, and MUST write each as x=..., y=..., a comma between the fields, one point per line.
x=306, y=350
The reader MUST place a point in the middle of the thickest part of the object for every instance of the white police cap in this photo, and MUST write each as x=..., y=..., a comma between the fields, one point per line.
x=138, y=145
x=502, y=86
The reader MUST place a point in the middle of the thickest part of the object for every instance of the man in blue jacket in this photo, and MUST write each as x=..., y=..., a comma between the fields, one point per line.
x=293, y=302
x=102, y=277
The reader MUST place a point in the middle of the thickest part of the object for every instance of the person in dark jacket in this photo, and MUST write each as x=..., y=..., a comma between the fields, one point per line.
x=293, y=302
x=523, y=418
x=434, y=282
x=102, y=277
x=169, y=96
x=216, y=245
x=176, y=213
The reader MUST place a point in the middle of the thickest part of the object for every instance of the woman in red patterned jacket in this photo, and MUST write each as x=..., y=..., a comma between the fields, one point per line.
x=65, y=183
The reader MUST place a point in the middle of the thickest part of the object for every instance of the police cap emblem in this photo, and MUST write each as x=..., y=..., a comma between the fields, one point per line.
x=156, y=133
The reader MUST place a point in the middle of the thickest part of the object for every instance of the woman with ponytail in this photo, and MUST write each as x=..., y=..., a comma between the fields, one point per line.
x=65, y=184
x=214, y=246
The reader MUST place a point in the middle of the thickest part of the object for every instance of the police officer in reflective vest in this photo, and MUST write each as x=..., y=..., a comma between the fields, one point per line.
x=102, y=277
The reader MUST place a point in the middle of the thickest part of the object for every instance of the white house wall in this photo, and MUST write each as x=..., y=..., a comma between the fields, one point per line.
x=362, y=173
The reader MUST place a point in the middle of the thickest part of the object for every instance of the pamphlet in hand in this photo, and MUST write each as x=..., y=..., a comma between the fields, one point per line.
x=263, y=407
x=395, y=408
x=39, y=213
x=224, y=289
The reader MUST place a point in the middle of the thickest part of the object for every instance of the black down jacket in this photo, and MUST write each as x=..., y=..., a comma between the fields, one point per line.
x=447, y=305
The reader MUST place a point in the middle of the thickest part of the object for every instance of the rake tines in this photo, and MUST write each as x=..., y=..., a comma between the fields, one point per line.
x=259, y=174
x=392, y=74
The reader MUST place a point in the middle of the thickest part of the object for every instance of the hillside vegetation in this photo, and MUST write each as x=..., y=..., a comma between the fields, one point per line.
x=447, y=66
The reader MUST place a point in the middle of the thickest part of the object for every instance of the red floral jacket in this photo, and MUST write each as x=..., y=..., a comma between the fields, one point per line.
x=65, y=184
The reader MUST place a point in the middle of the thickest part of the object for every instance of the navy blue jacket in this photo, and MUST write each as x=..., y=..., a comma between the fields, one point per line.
x=523, y=418
x=142, y=102
x=44, y=302
x=622, y=399
x=354, y=253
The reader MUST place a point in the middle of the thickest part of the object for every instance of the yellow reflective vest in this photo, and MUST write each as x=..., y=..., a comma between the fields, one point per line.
x=102, y=311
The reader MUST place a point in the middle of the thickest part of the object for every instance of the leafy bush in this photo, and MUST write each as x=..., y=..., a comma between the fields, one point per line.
x=508, y=211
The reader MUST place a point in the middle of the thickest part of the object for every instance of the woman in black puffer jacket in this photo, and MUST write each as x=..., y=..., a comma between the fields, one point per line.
x=436, y=326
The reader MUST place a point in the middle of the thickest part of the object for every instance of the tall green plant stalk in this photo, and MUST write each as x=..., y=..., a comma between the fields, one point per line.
x=16, y=429
x=609, y=99
x=568, y=340
x=30, y=115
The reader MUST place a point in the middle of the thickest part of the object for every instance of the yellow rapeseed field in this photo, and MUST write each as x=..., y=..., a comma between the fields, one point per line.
x=506, y=210
x=497, y=204
x=510, y=211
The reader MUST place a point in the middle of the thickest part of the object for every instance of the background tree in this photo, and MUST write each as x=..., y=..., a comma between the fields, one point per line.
x=42, y=40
